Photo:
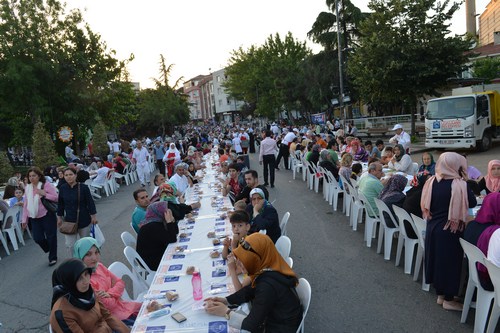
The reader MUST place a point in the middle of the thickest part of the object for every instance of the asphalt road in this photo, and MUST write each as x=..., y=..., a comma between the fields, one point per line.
x=353, y=288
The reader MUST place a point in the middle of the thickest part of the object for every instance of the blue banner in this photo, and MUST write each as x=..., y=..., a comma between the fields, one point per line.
x=318, y=118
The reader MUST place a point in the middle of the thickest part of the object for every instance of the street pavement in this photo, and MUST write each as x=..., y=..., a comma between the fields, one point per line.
x=353, y=288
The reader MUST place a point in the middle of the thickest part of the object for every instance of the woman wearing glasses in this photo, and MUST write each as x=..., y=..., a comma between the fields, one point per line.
x=275, y=305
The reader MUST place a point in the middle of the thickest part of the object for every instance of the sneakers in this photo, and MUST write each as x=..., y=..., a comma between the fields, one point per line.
x=52, y=262
x=266, y=184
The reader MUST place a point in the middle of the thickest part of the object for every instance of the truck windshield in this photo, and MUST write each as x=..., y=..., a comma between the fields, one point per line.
x=450, y=108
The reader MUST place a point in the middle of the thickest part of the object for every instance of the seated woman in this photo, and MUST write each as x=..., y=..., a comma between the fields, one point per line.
x=392, y=194
x=414, y=194
x=168, y=192
x=482, y=232
x=401, y=161
x=491, y=182
x=157, y=230
x=428, y=164
x=107, y=287
x=192, y=172
x=263, y=215
x=74, y=307
x=275, y=305
x=359, y=153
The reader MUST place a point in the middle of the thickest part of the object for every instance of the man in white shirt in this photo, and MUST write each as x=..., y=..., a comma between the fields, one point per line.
x=275, y=129
x=285, y=148
x=401, y=137
x=266, y=156
x=102, y=173
x=180, y=179
x=116, y=147
x=141, y=159
x=237, y=144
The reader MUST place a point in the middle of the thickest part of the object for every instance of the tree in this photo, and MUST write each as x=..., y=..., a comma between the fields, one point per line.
x=163, y=107
x=53, y=67
x=487, y=68
x=268, y=76
x=100, y=140
x=406, y=51
x=6, y=169
x=44, y=153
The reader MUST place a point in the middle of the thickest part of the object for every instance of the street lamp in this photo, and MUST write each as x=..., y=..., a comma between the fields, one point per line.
x=341, y=75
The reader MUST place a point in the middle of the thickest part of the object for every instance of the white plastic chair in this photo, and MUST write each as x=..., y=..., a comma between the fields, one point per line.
x=139, y=287
x=304, y=293
x=296, y=165
x=139, y=267
x=11, y=226
x=405, y=223
x=387, y=229
x=128, y=239
x=4, y=243
x=284, y=245
x=289, y=261
x=356, y=206
x=494, y=272
x=346, y=205
x=333, y=190
x=371, y=220
x=283, y=223
x=420, y=226
x=483, y=297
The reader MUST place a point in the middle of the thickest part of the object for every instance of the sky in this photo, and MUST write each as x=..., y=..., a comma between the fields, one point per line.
x=197, y=36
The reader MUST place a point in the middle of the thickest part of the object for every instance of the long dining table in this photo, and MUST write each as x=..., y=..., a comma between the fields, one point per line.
x=194, y=248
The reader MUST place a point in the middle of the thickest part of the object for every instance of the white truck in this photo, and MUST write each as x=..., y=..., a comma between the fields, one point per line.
x=470, y=118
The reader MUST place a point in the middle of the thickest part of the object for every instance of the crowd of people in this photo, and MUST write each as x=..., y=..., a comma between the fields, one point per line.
x=88, y=296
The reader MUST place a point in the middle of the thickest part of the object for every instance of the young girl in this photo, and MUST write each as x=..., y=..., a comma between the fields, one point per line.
x=17, y=200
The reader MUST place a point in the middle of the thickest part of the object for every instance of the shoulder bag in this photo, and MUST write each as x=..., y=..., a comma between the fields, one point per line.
x=71, y=228
x=50, y=205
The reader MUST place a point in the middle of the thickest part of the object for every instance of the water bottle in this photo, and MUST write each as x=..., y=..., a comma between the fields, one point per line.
x=196, y=282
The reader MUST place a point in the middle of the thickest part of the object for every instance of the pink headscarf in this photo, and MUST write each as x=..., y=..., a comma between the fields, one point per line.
x=492, y=183
x=447, y=167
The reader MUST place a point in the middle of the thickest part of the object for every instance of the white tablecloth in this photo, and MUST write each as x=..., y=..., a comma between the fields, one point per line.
x=171, y=274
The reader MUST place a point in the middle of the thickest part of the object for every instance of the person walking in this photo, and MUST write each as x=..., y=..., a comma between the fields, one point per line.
x=159, y=152
x=141, y=160
x=75, y=205
x=267, y=157
x=43, y=222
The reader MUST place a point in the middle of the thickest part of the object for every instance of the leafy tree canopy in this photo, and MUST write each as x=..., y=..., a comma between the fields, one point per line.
x=406, y=51
x=487, y=68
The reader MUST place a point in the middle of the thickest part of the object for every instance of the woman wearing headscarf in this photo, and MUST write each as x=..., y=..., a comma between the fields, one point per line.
x=172, y=156
x=263, y=216
x=157, y=230
x=392, y=193
x=107, y=287
x=168, y=192
x=275, y=305
x=401, y=161
x=43, y=222
x=480, y=231
x=74, y=306
x=428, y=164
x=445, y=203
x=359, y=153
x=491, y=182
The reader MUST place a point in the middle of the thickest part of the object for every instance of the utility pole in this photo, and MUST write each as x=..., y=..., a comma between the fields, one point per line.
x=341, y=71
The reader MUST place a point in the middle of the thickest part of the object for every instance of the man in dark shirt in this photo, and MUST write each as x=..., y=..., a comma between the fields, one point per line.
x=252, y=181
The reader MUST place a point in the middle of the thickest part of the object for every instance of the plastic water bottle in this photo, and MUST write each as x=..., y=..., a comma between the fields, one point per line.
x=196, y=282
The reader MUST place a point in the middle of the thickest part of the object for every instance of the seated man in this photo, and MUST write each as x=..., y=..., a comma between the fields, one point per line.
x=252, y=181
x=101, y=173
x=371, y=186
x=263, y=216
x=141, y=198
x=179, y=178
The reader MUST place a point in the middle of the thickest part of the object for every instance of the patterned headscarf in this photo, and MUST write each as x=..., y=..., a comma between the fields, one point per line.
x=393, y=190
x=155, y=213
x=168, y=192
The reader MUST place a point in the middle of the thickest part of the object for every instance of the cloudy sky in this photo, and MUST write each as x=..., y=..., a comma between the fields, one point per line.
x=197, y=36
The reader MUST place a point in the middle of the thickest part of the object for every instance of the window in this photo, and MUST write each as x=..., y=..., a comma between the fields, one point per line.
x=219, y=91
x=228, y=101
x=220, y=102
x=218, y=78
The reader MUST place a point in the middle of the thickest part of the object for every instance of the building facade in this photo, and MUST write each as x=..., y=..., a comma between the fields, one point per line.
x=226, y=108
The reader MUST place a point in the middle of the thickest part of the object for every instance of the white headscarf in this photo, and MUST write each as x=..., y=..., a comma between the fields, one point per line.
x=32, y=200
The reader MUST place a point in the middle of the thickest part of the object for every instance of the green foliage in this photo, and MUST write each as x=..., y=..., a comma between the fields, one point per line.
x=44, y=153
x=406, y=51
x=99, y=140
x=162, y=107
x=270, y=76
x=487, y=68
x=54, y=67
x=6, y=169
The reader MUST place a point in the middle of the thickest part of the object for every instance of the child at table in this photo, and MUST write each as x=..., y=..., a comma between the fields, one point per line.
x=240, y=225
x=17, y=200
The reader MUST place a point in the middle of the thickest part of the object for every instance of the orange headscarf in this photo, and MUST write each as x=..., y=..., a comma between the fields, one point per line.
x=447, y=167
x=261, y=256
x=492, y=183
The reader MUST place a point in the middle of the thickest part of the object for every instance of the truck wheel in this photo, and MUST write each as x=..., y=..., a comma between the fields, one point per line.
x=485, y=142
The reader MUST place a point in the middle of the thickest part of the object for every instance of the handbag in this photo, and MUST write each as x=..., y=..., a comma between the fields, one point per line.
x=71, y=228
x=50, y=205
